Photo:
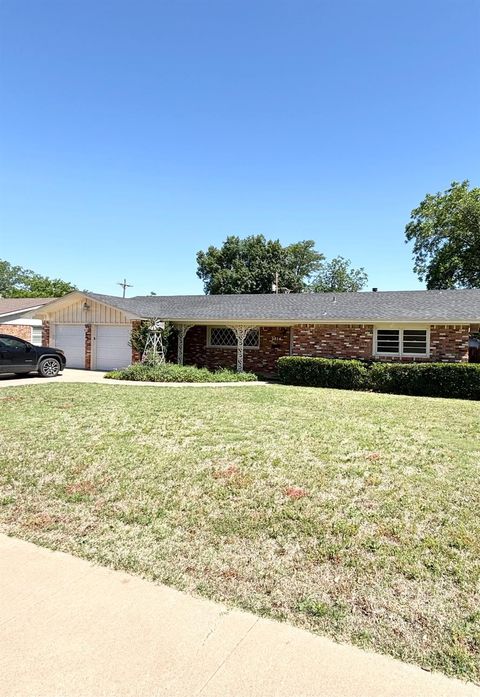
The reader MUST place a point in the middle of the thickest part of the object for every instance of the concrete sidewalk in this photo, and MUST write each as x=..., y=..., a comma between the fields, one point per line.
x=97, y=376
x=70, y=629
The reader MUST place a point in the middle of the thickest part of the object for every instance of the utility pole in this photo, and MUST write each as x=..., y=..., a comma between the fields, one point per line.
x=276, y=288
x=124, y=285
x=275, y=284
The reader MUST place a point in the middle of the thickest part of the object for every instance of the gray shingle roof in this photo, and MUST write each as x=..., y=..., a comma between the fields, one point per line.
x=10, y=305
x=386, y=306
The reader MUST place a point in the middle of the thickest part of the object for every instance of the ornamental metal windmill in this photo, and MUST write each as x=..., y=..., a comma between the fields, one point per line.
x=153, y=351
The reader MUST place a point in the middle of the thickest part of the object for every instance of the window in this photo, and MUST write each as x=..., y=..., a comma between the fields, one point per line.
x=37, y=336
x=13, y=344
x=402, y=342
x=224, y=337
x=388, y=341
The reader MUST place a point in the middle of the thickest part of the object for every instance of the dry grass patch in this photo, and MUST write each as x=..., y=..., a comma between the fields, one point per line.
x=355, y=515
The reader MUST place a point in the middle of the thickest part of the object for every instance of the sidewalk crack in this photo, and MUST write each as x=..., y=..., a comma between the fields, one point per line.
x=228, y=656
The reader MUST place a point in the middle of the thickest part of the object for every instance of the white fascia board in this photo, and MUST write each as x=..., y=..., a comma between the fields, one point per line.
x=25, y=322
x=74, y=296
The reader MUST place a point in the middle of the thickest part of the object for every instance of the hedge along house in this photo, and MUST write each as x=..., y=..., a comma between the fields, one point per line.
x=250, y=332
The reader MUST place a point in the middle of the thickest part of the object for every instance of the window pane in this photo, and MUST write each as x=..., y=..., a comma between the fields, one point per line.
x=14, y=344
x=222, y=336
x=415, y=341
x=37, y=336
x=252, y=338
x=388, y=341
x=225, y=337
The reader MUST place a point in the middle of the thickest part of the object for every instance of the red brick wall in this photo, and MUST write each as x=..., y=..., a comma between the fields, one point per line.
x=136, y=357
x=274, y=342
x=333, y=340
x=45, y=333
x=88, y=347
x=23, y=331
x=195, y=351
x=449, y=344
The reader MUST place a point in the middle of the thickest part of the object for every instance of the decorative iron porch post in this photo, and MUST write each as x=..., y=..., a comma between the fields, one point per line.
x=182, y=331
x=241, y=333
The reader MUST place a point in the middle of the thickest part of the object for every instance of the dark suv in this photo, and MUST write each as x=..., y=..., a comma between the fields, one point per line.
x=20, y=357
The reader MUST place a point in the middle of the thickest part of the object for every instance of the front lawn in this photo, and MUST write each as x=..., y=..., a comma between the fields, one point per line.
x=355, y=515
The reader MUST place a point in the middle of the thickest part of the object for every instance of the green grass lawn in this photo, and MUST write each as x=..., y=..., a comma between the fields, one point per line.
x=354, y=515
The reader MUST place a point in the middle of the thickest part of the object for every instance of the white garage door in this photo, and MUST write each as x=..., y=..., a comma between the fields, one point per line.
x=112, y=349
x=71, y=339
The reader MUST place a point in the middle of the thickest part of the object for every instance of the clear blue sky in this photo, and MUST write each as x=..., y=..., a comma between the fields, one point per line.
x=135, y=133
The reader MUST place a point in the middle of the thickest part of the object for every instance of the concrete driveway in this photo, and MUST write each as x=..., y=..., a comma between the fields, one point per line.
x=68, y=375
x=92, y=376
x=71, y=629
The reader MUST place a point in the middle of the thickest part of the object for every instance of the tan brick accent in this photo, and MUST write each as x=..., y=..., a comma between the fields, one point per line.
x=22, y=331
x=88, y=347
x=45, y=333
x=333, y=340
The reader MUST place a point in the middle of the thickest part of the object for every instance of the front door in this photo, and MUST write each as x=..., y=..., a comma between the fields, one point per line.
x=16, y=356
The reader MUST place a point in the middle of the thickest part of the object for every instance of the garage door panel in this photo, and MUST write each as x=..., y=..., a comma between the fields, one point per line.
x=71, y=339
x=112, y=347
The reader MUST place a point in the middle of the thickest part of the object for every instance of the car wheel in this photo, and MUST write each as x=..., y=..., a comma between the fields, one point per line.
x=49, y=367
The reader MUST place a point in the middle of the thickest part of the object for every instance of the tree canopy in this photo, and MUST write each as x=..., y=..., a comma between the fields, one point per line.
x=336, y=276
x=17, y=282
x=445, y=230
x=250, y=265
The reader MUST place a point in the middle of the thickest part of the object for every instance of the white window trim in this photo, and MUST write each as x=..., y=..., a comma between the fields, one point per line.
x=401, y=353
x=246, y=348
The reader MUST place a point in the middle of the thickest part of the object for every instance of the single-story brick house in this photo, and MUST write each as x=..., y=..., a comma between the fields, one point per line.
x=15, y=318
x=250, y=332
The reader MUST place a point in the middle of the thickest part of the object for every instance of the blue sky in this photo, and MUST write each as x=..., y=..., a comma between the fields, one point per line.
x=135, y=133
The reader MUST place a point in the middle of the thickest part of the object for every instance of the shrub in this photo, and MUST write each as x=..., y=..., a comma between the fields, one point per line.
x=459, y=380
x=171, y=372
x=323, y=372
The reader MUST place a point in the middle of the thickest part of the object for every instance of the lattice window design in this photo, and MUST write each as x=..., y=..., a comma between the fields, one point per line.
x=252, y=339
x=224, y=337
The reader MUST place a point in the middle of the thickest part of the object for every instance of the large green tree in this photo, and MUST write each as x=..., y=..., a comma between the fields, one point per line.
x=445, y=230
x=17, y=282
x=337, y=276
x=250, y=265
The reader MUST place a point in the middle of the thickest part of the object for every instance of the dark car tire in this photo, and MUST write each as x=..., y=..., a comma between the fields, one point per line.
x=49, y=367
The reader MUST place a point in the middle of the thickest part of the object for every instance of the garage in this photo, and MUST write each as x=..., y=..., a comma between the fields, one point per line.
x=112, y=349
x=71, y=339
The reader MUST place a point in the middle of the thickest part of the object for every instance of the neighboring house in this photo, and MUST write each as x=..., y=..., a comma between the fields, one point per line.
x=252, y=331
x=16, y=319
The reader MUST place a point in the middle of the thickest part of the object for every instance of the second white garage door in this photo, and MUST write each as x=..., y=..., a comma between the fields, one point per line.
x=71, y=339
x=112, y=349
